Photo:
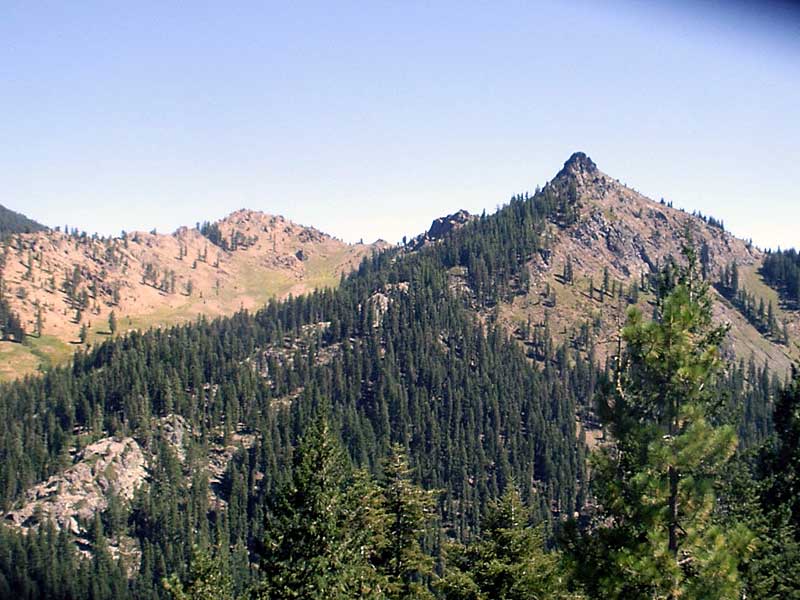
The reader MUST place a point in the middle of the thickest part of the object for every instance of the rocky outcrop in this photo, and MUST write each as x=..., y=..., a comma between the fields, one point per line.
x=578, y=163
x=440, y=228
x=108, y=466
x=175, y=430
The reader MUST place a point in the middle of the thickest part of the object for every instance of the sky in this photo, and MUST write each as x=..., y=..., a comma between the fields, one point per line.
x=370, y=119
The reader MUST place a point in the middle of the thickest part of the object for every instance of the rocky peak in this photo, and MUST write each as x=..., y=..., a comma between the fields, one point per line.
x=441, y=227
x=576, y=164
x=444, y=225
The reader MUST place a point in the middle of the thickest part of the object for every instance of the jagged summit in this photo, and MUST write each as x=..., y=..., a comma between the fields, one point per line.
x=441, y=227
x=578, y=163
x=606, y=231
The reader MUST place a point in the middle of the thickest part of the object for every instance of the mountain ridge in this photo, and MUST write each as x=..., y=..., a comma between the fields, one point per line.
x=617, y=233
x=12, y=222
x=242, y=259
x=70, y=282
x=481, y=352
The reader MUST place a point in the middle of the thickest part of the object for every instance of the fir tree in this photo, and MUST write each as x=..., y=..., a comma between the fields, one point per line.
x=409, y=510
x=313, y=548
x=39, y=320
x=784, y=460
x=207, y=580
x=508, y=562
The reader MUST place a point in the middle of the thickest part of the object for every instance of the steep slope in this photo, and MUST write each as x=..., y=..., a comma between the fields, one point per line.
x=601, y=254
x=394, y=354
x=404, y=351
x=70, y=282
x=12, y=222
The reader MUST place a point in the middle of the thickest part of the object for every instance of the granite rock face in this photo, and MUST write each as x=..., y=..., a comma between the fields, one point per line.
x=440, y=228
x=108, y=466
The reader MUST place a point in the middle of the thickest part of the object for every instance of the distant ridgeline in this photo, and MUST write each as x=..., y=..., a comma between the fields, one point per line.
x=13, y=222
x=396, y=354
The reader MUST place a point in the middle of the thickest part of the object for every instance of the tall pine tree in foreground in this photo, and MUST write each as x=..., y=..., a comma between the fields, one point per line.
x=657, y=535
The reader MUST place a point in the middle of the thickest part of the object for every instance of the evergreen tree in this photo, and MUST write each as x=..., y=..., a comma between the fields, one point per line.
x=409, y=510
x=656, y=485
x=508, y=562
x=783, y=462
x=568, y=270
x=39, y=320
x=313, y=547
x=207, y=580
x=772, y=324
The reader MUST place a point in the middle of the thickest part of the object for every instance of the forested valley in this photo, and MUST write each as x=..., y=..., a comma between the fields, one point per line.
x=393, y=441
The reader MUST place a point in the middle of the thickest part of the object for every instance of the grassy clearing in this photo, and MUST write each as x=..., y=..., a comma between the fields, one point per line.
x=753, y=283
x=256, y=284
x=321, y=271
x=18, y=360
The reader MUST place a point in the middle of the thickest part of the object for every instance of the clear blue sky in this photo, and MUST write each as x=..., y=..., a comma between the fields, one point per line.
x=369, y=119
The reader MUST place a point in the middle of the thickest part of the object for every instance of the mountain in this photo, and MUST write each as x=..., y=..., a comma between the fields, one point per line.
x=72, y=281
x=479, y=351
x=12, y=222
x=610, y=235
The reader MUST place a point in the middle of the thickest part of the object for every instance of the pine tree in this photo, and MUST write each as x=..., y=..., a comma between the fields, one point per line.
x=633, y=293
x=784, y=460
x=772, y=324
x=207, y=580
x=656, y=484
x=39, y=320
x=112, y=322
